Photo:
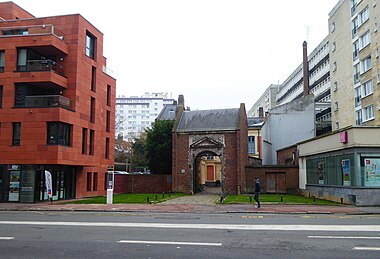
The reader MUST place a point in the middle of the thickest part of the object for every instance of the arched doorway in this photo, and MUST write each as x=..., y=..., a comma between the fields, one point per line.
x=208, y=173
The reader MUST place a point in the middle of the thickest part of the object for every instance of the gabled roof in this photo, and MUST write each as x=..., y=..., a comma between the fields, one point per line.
x=209, y=120
x=167, y=113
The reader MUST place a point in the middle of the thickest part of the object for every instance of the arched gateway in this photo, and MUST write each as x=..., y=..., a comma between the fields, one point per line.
x=210, y=149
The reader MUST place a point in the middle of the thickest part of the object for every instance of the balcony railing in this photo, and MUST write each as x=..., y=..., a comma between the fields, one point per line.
x=41, y=65
x=42, y=101
x=43, y=29
x=358, y=101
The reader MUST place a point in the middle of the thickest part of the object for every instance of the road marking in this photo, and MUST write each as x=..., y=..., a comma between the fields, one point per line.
x=367, y=248
x=6, y=238
x=343, y=237
x=366, y=228
x=169, y=243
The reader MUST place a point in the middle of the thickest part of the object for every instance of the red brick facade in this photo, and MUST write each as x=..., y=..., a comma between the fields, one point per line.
x=63, y=39
x=232, y=151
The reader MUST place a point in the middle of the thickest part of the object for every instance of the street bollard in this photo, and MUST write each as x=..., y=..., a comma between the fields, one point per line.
x=156, y=196
x=315, y=200
x=221, y=198
x=250, y=198
x=341, y=200
x=147, y=200
x=282, y=198
x=163, y=195
x=169, y=194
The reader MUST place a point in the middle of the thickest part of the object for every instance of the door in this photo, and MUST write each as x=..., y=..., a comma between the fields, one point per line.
x=210, y=173
x=275, y=182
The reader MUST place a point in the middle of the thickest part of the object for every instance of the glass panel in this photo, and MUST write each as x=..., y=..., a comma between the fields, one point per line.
x=14, y=186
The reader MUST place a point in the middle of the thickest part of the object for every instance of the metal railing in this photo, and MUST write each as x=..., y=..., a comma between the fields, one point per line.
x=41, y=101
x=43, y=29
x=41, y=65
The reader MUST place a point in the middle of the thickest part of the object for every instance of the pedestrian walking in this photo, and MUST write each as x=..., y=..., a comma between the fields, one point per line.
x=257, y=192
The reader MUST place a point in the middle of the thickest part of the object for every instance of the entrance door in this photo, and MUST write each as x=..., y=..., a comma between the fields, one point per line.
x=210, y=173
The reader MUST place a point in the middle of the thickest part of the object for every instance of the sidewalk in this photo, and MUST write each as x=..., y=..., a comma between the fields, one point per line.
x=193, y=208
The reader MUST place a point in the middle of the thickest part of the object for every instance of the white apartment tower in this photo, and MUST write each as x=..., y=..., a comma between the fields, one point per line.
x=134, y=114
x=354, y=55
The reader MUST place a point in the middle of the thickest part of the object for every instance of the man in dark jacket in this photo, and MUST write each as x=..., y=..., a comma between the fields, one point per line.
x=257, y=191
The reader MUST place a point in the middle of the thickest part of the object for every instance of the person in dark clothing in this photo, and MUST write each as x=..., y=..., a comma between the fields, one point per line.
x=257, y=191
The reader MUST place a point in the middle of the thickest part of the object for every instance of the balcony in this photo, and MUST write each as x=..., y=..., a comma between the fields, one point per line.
x=46, y=101
x=44, y=29
x=41, y=65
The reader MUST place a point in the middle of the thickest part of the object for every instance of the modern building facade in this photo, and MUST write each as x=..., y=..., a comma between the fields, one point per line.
x=134, y=114
x=355, y=71
x=266, y=102
x=57, y=107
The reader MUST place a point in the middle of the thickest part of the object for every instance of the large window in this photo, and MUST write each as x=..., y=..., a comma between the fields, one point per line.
x=364, y=40
x=59, y=133
x=90, y=45
x=366, y=64
x=368, y=113
x=2, y=60
x=16, y=133
x=251, y=145
x=367, y=88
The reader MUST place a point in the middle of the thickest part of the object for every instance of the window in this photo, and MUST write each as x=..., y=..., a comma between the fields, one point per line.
x=364, y=40
x=336, y=106
x=108, y=95
x=93, y=79
x=84, y=141
x=92, y=110
x=337, y=125
x=16, y=133
x=359, y=117
x=364, y=15
x=90, y=45
x=2, y=60
x=367, y=88
x=335, y=86
x=366, y=64
x=21, y=59
x=1, y=96
x=355, y=53
x=358, y=96
x=59, y=133
x=251, y=145
x=108, y=118
x=333, y=47
x=92, y=138
x=107, y=151
x=368, y=113
x=334, y=66
x=88, y=181
x=95, y=182
x=332, y=27
x=357, y=73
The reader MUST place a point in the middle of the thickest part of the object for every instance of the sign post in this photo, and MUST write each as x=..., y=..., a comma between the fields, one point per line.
x=111, y=178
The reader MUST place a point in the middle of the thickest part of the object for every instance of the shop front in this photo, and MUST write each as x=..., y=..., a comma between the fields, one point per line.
x=344, y=167
x=26, y=183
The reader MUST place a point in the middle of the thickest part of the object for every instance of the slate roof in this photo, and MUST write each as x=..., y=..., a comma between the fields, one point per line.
x=209, y=120
x=255, y=122
x=167, y=112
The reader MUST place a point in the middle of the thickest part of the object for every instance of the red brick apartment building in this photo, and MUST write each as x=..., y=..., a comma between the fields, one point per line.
x=57, y=106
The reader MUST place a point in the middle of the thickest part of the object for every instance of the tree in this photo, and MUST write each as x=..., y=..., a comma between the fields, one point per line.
x=138, y=158
x=158, y=146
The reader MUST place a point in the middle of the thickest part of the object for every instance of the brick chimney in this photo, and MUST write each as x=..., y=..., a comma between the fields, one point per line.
x=305, y=70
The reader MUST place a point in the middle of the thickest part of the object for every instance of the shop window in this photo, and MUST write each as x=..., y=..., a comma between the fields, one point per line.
x=95, y=182
x=88, y=181
x=59, y=133
x=90, y=45
x=16, y=133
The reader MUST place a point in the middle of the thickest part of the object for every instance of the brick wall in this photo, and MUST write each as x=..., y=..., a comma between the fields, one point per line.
x=285, y=156
x=181, y=172
x=262, y=172
x=153, y=183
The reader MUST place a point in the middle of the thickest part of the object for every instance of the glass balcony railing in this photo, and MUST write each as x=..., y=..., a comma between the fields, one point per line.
x=43, y=29
x=41, y=65
x=42, y=101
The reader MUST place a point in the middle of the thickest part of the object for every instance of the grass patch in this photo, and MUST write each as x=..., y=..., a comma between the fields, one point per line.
x=129, y=198
x=276, y=199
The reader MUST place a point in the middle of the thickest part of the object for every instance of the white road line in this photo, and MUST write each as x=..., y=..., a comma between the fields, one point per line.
x=168, y=243
x=355, y=228
x=342, y=237
x=367, y=248
x=6, y=238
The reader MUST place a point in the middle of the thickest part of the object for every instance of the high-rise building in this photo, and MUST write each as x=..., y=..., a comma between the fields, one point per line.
x=57, y=106
x=134, y=114
x=266, y=102
x=355, y=65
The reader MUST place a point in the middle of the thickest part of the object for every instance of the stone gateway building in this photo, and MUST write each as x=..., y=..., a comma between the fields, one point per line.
x=210, y=149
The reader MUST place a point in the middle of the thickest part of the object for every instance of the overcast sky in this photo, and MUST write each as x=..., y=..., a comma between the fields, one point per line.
x=217, y=53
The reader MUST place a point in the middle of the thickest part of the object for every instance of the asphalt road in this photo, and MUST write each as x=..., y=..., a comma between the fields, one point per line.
x=154, y=235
